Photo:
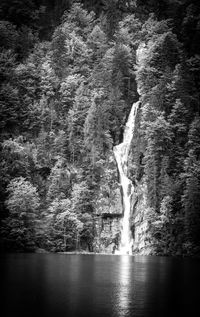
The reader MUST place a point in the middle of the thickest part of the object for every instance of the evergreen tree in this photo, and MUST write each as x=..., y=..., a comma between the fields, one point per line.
x=191, y=195
x=97, y=137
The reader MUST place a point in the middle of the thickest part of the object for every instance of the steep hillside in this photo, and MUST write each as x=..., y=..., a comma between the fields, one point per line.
x=69, y=79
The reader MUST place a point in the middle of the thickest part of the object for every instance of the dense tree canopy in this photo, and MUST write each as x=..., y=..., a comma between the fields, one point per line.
x=70, y=72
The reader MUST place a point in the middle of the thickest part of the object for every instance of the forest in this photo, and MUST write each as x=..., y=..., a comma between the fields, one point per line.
x=69, y=76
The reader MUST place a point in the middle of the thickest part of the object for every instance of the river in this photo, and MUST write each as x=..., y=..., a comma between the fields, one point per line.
x=98, y=285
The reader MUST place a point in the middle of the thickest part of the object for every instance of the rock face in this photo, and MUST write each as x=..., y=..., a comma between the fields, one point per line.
x=139, y=210
x=107, y=233
x=140, y=215
x=140, y=222
x=109, y=206
x=108, y=209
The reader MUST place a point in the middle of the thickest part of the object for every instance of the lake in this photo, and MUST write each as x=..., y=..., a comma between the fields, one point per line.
x=98, y=285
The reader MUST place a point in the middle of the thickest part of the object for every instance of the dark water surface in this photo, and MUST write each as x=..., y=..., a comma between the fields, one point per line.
x=98, y=285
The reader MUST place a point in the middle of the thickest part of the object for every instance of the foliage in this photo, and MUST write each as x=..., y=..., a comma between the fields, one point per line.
x=64, y=104
x=63, y=226
x=20, y=226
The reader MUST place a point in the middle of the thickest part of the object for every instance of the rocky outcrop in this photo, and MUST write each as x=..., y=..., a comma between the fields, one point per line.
x=141, y=212
x=108, y=229
x=108, y=209
x=109, y=206
x=140, y=221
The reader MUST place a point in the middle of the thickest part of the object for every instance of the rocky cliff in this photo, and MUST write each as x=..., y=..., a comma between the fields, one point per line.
x=109, y=205
x=108, y=209
x=140, y=211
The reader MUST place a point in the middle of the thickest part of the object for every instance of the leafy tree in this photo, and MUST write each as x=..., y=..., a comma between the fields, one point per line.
x=68, y=91
x=79, y=19
x=82, y=198
x=15, y=157
x=129, y=32
x=64, y=226
x=64, y=104
x=19, y=229
x=59, y=180
x=70, y=52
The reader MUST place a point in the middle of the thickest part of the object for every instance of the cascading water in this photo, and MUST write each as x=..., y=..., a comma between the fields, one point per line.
x=121, y=152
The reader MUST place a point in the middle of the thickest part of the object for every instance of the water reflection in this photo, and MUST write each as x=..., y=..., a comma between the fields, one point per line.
x=137, y=290
x=122, y=299
x=98, y=286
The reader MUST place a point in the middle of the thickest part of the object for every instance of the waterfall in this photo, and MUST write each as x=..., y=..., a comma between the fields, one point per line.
x=121, y=152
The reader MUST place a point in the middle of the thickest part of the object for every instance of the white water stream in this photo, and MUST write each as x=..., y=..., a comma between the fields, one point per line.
x=121, y=152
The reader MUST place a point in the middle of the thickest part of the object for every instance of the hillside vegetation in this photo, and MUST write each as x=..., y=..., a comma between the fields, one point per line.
x=69, y=77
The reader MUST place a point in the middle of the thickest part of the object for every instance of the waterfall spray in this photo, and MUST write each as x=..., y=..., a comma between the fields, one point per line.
x=121, y=152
